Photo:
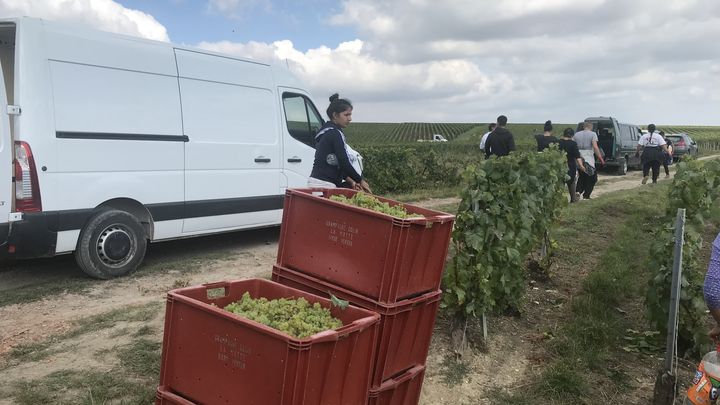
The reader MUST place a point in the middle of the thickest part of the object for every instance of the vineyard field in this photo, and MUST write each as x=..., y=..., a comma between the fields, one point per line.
x=368, y=133
x=393, y=133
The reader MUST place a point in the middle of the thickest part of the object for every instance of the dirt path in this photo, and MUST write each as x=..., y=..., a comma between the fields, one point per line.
x=233, y=256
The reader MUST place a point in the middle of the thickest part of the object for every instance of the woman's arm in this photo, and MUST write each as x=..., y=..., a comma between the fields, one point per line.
x=597, y=152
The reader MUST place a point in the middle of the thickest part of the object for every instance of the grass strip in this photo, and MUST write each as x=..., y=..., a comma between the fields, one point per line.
x=586, y=350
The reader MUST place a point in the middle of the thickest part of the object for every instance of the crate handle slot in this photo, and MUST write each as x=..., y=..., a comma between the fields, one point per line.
x=216, y=290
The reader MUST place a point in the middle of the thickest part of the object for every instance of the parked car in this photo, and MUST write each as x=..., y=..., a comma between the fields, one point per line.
x=682, y=145
x=617, y=142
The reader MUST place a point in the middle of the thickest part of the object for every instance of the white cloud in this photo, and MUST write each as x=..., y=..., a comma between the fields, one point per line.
x=567, y=57
x=106, y=15
x=352, y=71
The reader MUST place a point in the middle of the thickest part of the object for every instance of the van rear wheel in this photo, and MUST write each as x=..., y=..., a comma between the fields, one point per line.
x=112, y=244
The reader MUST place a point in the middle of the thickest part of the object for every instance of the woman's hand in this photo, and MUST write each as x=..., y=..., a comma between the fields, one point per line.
x=364, y=186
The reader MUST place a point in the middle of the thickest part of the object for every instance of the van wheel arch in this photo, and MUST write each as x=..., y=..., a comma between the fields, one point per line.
x=111, y=244
x=134, y=208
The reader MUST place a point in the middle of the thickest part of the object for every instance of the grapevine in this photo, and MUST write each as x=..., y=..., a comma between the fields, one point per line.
x=296, y=317
x=517, y=197
x=695, y=187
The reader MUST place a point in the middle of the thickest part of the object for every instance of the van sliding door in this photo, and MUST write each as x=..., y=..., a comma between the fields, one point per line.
x=232, y=157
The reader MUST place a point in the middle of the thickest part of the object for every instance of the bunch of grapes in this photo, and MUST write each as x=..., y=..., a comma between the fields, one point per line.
x=364, y=200
x=296, y=317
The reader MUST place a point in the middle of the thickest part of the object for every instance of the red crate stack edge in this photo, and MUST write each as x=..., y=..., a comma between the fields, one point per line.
x=375, y=255
x=388, y=265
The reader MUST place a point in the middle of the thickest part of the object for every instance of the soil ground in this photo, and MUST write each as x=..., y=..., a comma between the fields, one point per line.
x=507, y=357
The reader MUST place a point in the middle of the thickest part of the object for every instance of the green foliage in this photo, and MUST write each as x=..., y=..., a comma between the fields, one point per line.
x=364, y=200
x=296, y=317
x=403, y=168
x=696, y=187
x=517, y=198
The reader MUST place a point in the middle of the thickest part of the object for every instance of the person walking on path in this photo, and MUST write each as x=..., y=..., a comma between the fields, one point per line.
x=653, y=148
x=587, y=142
x=668, y=158
x=574, y=161
x=547, y=138
x=335, y=161
x=484, y=138
x=500, y=142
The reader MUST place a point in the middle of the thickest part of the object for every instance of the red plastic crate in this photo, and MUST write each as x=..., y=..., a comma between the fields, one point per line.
x=211, y=356
x=402, y=390
x=373, y=254
x=406, y=327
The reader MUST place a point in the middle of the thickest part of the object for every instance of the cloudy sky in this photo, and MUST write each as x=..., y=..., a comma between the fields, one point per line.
x=641, y=61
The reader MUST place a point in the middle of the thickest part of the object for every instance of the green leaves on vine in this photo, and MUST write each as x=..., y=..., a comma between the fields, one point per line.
x=506, y=207
x=696, y=187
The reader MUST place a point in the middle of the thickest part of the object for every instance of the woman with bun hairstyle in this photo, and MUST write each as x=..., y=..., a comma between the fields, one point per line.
x=547, y=138
x=335, y=161
x=652, y=146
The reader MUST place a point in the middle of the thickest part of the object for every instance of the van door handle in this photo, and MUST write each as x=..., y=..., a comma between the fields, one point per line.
x=294, y=159
x=261, y=159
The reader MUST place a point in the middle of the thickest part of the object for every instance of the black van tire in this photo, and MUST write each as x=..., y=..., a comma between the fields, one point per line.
x=112, y=244
x=622, y=167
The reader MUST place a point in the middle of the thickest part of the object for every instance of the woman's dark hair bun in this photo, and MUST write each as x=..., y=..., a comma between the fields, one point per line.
x=548, y=122
x=334, y=97
x=548, y=126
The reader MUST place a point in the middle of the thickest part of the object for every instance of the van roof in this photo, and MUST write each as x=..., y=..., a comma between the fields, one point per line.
x=282, y=74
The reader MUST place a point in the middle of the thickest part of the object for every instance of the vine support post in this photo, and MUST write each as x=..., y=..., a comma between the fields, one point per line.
x=665, y=383
x=476, y=208
x=675, y=290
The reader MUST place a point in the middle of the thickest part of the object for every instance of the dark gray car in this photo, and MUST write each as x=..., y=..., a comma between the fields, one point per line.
x=682, y=145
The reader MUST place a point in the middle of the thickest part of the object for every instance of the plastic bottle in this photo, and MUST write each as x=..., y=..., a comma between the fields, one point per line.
x=705, y=387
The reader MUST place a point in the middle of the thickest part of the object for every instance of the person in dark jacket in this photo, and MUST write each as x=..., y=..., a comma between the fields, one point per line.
x=335, y=162
x=546, y=138
x=500, y=142
x=574, y=161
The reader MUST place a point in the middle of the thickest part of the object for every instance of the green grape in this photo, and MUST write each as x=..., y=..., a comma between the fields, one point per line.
x=296, y=317
x=364, y=200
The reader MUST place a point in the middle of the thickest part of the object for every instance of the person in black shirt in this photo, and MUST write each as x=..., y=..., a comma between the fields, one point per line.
x=335, y=161
x=667, y=154
x=574, y=161
x=500, y=142
x=547, y=138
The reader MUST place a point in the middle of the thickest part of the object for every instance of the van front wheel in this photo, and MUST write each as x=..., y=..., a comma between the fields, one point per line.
x=112, y=244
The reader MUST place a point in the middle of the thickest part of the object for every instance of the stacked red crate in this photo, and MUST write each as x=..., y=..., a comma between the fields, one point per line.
x=385, y=264
x=212, y=356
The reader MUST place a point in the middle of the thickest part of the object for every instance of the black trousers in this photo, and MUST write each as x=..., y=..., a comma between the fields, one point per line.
x=586, y=184
x=655, y=166
x=571, y=185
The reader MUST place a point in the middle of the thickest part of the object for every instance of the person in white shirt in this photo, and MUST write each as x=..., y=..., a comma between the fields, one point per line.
x=653, y=148
x=484, y=138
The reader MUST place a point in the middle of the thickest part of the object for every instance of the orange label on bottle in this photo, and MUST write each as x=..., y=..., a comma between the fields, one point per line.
x=702, y=392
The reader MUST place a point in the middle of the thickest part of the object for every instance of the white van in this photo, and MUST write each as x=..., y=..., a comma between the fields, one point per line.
x=110, y=141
